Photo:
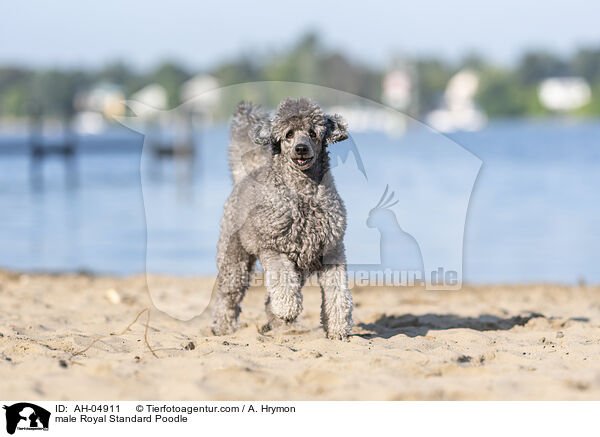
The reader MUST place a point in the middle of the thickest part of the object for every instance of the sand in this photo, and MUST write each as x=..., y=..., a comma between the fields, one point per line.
x=529, y=342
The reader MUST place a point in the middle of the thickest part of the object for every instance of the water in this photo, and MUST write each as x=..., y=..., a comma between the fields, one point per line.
x=533, y=214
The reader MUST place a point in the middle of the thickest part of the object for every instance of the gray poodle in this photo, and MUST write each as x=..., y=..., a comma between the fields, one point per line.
x=284, y=211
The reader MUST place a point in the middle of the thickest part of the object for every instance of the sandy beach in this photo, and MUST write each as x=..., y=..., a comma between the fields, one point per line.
x=530, y=342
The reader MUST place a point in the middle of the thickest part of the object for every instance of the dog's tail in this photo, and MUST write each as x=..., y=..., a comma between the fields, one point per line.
x=244, y=154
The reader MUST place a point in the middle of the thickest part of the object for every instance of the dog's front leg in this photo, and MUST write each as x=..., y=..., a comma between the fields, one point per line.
x=284, y=284
x=235, y=265
x=232, y=284
x=336, y=305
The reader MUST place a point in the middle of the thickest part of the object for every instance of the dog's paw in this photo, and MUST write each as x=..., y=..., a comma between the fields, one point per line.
x=337, y=335
x=265, y=328
x=276, y=324
x=285, y=307
x=223, y=328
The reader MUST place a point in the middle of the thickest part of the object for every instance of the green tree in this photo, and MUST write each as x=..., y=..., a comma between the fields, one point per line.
x=170, y=76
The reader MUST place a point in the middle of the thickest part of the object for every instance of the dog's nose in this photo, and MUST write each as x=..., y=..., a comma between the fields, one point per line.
x=302, y=149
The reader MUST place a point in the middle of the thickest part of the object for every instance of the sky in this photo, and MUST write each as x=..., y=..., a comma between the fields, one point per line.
x=88, y=34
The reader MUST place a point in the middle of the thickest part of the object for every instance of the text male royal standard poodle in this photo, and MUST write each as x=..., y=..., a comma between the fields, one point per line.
x=284, y=211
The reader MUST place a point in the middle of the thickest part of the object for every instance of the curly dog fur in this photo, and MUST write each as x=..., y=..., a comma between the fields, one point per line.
x=284, y=211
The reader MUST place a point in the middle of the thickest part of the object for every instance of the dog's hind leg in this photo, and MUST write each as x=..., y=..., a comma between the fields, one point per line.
x=284, y=284
x=232, y=282
x=336, y=305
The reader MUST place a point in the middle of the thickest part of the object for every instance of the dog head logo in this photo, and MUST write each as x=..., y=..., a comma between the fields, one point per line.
x=26, y=416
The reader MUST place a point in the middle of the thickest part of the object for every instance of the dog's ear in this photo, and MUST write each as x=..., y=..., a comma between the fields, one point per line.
x=263, y=134
x=337, y=128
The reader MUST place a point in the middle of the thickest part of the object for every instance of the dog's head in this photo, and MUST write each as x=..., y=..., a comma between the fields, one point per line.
x=300, y=131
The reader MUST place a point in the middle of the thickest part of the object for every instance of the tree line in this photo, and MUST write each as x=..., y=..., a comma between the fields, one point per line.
x=505, y=91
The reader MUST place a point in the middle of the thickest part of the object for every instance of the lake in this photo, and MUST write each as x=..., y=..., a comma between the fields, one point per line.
x=533, y=213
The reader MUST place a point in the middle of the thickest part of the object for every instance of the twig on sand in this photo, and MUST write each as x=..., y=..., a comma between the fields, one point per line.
x=147, y=311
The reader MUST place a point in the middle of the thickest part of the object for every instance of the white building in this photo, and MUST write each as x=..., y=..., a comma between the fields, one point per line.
x=564, y=93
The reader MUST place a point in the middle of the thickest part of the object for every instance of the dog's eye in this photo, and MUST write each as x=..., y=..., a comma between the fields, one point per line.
x=312, y=133
x=290, y=134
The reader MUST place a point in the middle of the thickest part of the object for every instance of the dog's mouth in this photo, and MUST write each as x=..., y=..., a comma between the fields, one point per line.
x=303, y=162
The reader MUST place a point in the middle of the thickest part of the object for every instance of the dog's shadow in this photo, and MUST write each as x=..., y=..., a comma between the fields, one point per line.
x=388, y=326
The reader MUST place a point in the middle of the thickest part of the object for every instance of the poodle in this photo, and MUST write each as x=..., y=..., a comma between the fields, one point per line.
x=285, y=212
